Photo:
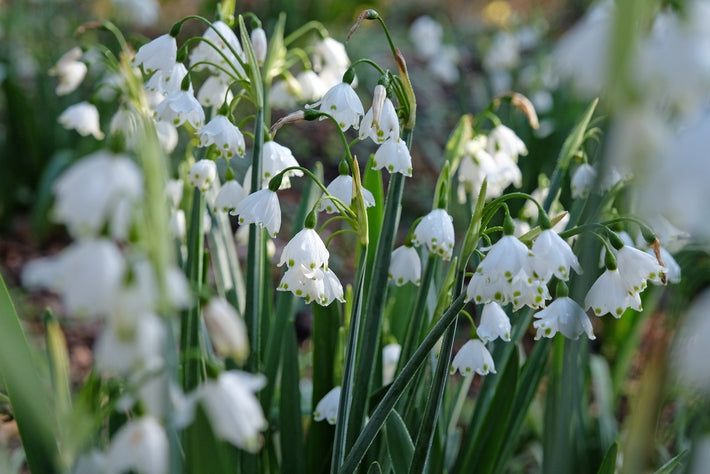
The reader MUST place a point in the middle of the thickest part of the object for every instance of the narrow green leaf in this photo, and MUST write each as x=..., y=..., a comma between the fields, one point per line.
x=374, y=468
x=319, y=442
x=604, y=400
x=530, y=377
x=675, y=464
x=400, y=444
x=482, y=455
x=461, y=135
x=608, y=465
x=29, y=401
x=292, y=446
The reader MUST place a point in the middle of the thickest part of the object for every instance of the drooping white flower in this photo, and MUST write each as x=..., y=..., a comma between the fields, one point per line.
x=226, y=136
x=141, y=13
x=426, y=34
x=205, y=53
x=691, y=349
x=226, y=329
x=503, y=53
x=70, y=71
x=230, y=194
x=390, y=359
x=405, y=265
x=506, y=259
x=327, y=407
x=394, y=156
x=277, y=158
x=202, y=174
x=305, y=283
x=636, y=266
x=563, y=315
x=583, y=179
x=82, y=117
x=436, y=231
x=158, y=55
x=180, y=107
x=126, y=123
x=140, y=445
x=527, y=291
x=214, y=92
x=332, y=288
x=342, y=188
x=305, y=248
x=473, y=357
x=312, y=86
x=503, y=139
x=261, y=208
x=553, y=256
x=167, y=81
x=87, y=274
x=330, y=61
x=609, y=294
x=494, y=323
x=126, y=347
x=343, y=104
x=672, y=269
x=167, y=135
x=178, y=224
x=88, y=195
x=232, y=408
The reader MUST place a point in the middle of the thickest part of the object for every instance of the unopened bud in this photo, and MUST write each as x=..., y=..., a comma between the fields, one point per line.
x=258, y=41
x=378, y=101
x=226, y=329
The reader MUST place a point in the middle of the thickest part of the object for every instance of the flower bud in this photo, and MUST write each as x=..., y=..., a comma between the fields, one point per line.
x=227, y=330
x=258, y=41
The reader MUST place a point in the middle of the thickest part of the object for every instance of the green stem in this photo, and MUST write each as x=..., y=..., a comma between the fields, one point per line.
x=400, y=383
x=255, y=255
x=375, y=303
x=415, y=321
x=193, y=366
x=347, y=392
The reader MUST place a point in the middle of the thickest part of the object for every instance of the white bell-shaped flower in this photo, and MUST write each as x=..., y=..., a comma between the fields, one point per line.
x=305, y=248
x=167, y=81
x=609, y=294
x=473, y=357
x=205, y=53
x=259, y=44
x=226, y=329
x=583, y=179
x=553, y=256
x=305, y=283
x=503, y=139
x=158, y=55
x=70, y=71
x=226, y=136
x=343, y=104
x=214, y=92
x=672, y=269
x=342, y=188
x=394, y=156
x=506, y=259
x=230, y=194
x=261, y=208
x=327, y=407
x=202, y=174
x=405, y=266
x=332, y=288
x=167, y=135
x=82, y=117
x=494, y=323
x=436, y=231
x=180, y=107
x=563, y=315
x=232, y=408
x=481, y=290
x=87, y=274
x=312, y=86
x=178, y=224
x=527, y=291
x=277, y=158
x=124, y=348
x=89, y=194
x=140, y=445
x=636, y=267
